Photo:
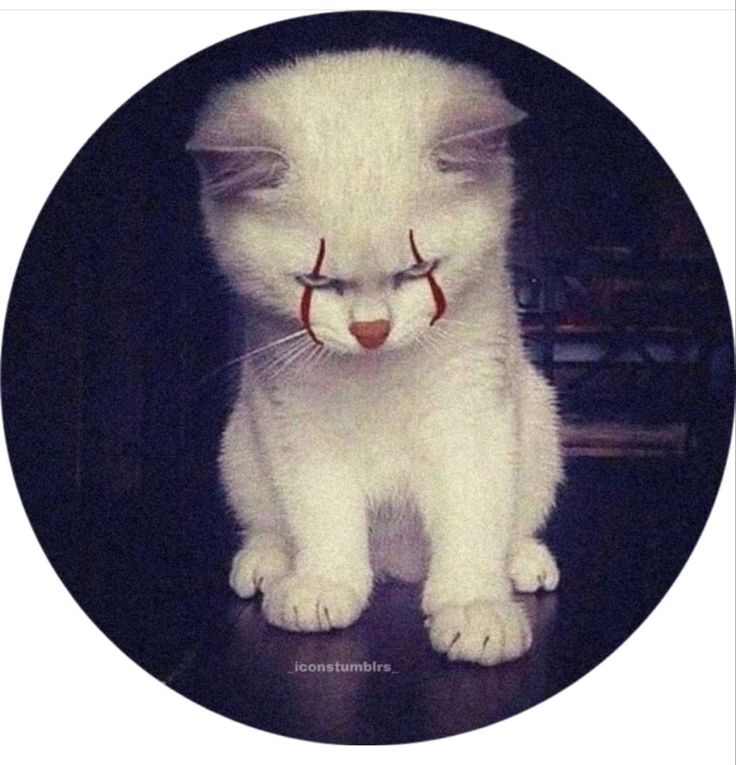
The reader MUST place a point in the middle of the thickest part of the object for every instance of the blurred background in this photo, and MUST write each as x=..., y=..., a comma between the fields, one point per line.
x=114, y=395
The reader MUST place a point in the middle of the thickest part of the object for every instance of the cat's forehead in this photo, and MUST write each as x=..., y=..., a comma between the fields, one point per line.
x=391, y=98
x=366, y=256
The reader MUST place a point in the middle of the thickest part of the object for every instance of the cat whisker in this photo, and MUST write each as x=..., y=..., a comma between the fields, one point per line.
x=323, y=354
x=459, y=322
x=293, y=337
x=276, y=370
x=288, y=368
x=274, y=365
x=497, y=338
x=445, y=332
x=296, y=362
x=459, y=341
x=311, y=358
x=219, y=370
x=268, y=346
x=425, y=344
x=439, y=332
x=280, y=353
x=453, y=328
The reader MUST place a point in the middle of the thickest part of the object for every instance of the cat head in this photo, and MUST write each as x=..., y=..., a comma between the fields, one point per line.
x=359, y=193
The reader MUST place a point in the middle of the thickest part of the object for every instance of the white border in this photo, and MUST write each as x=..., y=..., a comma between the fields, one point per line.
x=665, y=696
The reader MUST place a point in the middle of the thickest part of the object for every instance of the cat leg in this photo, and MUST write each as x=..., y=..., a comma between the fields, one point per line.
x=531, y=566
x=468, y=507
x=331, y=577
x=265, y=555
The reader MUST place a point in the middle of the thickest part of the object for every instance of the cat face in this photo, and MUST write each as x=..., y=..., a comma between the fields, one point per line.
x=371, y=330
x=359, y=194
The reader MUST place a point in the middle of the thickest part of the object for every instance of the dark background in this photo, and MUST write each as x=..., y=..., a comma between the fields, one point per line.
x=113, y=404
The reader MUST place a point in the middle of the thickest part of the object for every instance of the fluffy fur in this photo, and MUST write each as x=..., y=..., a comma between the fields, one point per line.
x=445, y=432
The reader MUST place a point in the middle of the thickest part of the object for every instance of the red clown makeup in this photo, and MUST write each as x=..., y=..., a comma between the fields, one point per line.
x=306, y=302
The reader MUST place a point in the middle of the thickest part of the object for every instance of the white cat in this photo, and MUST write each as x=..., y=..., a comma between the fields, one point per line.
x=362, y=200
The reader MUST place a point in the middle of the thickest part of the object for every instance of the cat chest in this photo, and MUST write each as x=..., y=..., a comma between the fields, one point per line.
x=376, y=430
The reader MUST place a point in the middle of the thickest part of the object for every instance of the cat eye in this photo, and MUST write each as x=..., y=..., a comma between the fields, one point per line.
x=321, y=282
x=417, y=271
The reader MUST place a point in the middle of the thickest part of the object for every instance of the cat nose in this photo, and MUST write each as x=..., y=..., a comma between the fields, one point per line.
x=370, y=334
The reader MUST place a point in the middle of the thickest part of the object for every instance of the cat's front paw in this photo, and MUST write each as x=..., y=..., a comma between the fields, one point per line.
x=257, y=566
x=532, y=567
x=312, y=604
x=484, y=631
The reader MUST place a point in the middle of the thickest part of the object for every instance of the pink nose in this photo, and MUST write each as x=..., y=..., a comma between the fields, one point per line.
x=370, y=334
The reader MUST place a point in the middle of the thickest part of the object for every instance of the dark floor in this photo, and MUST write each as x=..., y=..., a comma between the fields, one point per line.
x=622, y=532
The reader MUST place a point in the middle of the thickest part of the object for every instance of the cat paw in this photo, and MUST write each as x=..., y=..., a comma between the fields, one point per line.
x=257, y=566
x=486, y=632
x=312, y=604
x=532, y=567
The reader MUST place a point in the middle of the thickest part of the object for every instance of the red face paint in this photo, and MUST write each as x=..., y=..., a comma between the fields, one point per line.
x=439, y=297
x=307, y=294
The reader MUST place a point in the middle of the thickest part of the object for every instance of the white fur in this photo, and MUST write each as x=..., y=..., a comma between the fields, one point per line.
x=451, y=421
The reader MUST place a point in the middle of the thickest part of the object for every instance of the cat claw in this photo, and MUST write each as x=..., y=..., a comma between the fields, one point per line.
x=485, y=632
x=311, y=604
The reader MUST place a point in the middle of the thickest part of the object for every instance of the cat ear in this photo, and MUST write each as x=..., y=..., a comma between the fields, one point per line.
x=232, y=172
x=472, y=141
